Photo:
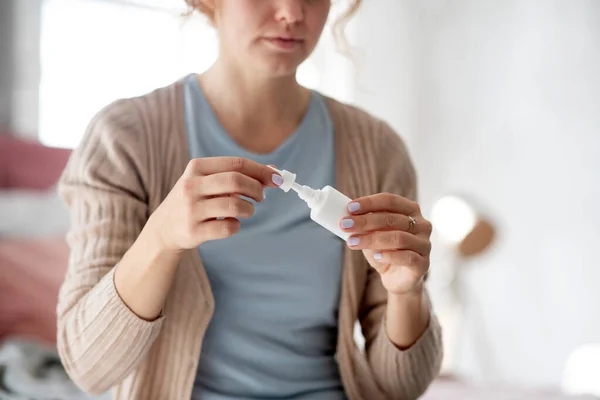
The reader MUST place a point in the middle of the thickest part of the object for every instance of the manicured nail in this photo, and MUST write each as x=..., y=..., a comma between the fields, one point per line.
x=347, y=223
x=277, y=179
x=353, y=241
x=378, y=256
x=353, y=207
x=264, y=194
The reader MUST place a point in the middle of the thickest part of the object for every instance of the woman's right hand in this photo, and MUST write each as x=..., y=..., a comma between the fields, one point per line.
x=205, y=205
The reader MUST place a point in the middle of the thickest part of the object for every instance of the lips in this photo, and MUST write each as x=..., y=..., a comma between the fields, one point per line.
x=285, y=43
x=286, y=38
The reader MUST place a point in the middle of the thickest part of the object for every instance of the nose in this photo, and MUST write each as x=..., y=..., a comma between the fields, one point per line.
x=290, y=11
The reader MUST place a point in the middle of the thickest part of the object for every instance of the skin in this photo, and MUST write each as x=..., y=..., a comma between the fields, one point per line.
x=254, y=92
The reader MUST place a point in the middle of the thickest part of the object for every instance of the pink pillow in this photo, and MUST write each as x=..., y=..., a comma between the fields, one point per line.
x=3, y=160
x=31, y=272
x=28, y=164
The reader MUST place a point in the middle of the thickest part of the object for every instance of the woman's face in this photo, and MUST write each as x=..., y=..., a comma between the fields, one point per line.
x=271, y=36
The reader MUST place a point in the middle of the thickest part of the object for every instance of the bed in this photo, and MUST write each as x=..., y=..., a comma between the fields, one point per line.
x=33, y=252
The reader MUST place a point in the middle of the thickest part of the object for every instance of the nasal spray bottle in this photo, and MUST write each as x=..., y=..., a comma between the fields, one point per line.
x=327, y=206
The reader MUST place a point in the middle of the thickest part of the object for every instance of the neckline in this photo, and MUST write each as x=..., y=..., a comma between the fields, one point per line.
x=226, y=136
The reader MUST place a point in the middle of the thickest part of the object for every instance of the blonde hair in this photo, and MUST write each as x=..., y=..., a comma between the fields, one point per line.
x=338, y=28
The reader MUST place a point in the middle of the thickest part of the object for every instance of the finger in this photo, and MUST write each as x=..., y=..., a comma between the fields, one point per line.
x=215, y=165
x=217, y=229
x=230, y=183
x=404, y=258
x=392, y=240
x=264, y=187
x=224, y=207
x=212, y=186
x=383, y=202
x=382, y=221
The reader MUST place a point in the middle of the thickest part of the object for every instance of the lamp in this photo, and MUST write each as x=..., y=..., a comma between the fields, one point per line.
x=460, y=225
x=467, y=232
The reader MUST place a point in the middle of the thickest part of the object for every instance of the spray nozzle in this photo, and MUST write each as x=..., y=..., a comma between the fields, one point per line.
x=309, y=195
x=289, y=179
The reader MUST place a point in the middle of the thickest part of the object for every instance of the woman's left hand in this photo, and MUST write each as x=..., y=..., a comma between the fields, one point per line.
x=394, y=237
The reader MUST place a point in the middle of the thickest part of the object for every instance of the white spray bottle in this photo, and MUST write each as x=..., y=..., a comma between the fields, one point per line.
x=327, y=206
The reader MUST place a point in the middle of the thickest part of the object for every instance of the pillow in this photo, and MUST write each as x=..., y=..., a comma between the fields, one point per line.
x=32, y=213
x=29, y=164
x=3, y=166
x=31, y=272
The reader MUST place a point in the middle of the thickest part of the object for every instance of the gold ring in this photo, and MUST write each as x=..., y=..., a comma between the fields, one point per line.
x=411, y=223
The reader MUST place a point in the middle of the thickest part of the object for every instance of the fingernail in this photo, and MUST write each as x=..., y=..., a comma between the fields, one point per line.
x=347, y=223
x=277, y=179
x=353, y=207
x=353, y=241
x=264, y=194
x=378, y=256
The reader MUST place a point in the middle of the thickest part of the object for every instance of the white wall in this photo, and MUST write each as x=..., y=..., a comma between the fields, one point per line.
x=508, y=110
x=385, y=36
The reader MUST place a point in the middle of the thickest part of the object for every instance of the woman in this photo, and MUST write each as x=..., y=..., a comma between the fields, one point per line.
x=186, y=282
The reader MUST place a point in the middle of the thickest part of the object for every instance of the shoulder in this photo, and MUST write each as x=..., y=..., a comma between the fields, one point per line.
x=136, y=122
x=149, y=108
x=361, y=124
x=382, y=149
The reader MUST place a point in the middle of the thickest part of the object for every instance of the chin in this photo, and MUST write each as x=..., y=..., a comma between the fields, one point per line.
x=280, y=69
x=279, y=65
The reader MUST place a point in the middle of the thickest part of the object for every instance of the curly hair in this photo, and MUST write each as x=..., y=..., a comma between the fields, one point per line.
x=339, y=26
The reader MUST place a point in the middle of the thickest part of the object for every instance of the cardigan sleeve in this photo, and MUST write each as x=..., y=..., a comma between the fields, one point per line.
x=401, y=374
x=99, y=339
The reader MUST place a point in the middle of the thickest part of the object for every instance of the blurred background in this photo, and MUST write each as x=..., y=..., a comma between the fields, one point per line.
x=498, y=101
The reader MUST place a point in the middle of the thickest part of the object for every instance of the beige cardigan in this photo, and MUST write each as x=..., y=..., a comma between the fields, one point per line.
x=132, y=154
